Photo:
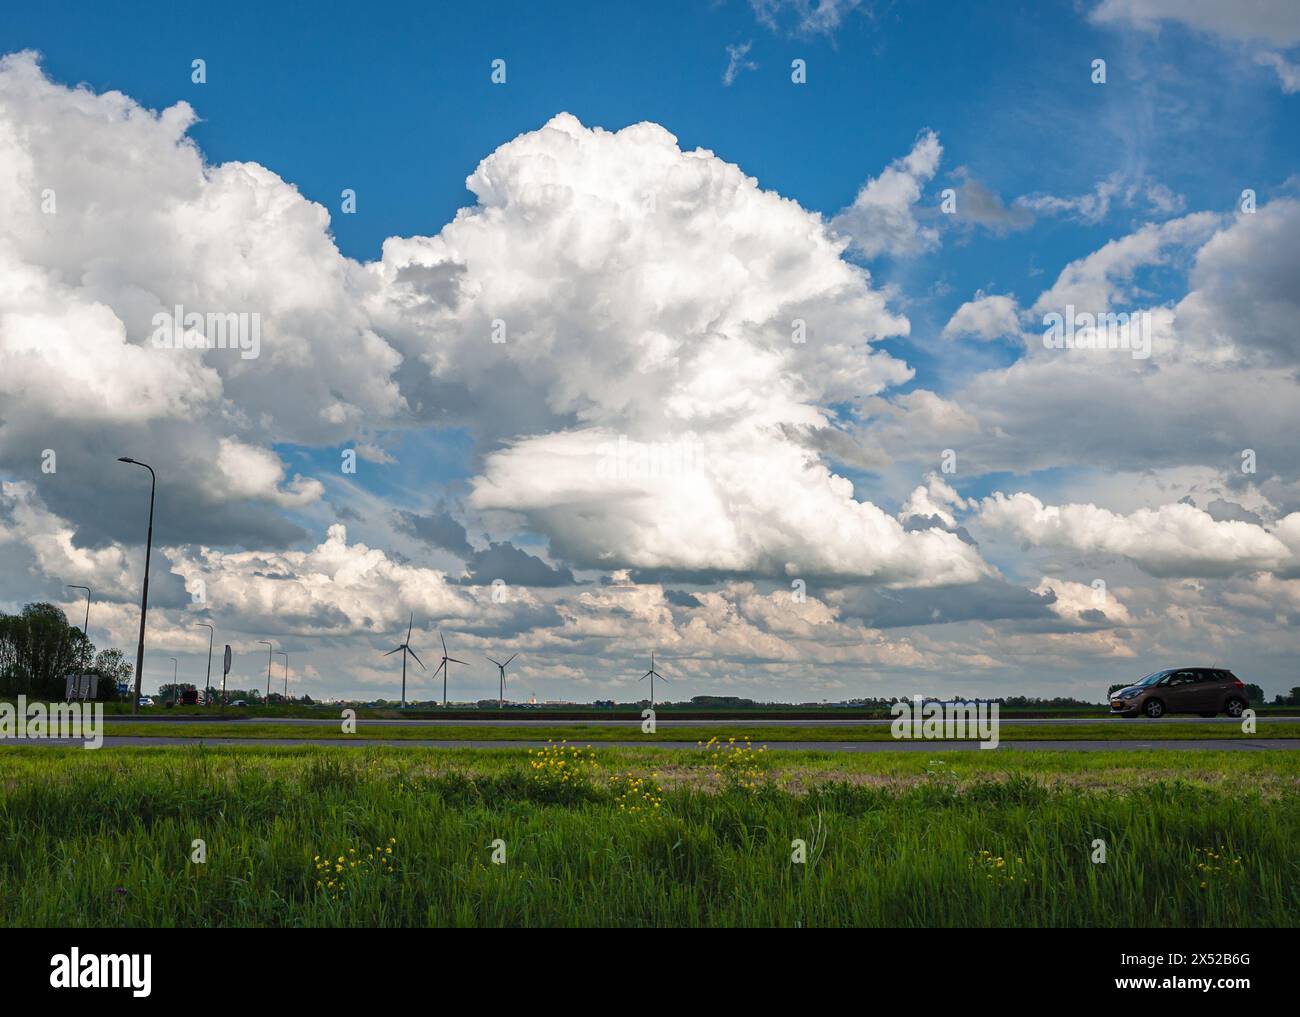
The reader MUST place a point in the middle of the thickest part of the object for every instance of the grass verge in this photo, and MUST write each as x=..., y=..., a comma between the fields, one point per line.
x=892, y=839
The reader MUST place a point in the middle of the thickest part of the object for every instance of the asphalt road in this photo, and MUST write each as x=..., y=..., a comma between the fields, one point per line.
x=668, y=721
x=1229, y=745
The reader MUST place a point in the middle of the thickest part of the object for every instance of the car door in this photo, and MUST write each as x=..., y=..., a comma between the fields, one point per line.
x=1180, y=692
x=1205, y=691
x=1222, y=687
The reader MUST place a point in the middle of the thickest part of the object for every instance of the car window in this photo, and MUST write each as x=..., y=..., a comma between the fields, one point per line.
x=1182, y=678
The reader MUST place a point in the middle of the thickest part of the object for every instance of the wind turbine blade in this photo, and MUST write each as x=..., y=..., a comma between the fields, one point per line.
x=444, y=644
x=644, y=676
x=410, y=625
x=510, y=658
x=391, y=652
x=498, y=663
x=455, y=661
x=418, y=660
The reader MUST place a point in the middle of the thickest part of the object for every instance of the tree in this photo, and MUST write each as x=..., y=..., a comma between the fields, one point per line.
x=38, y=649
x=113, y=669
x=1254, y=693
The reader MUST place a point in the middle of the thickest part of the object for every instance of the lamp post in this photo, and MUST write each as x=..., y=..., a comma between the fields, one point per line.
x=225, y=670
x=211, y=635
x=144, y=592
x=175, y=669
x=85, y=628
x=270, y=655
x=286, y=673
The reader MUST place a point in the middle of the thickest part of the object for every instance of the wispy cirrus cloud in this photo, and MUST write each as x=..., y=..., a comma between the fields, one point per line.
x=737, y=61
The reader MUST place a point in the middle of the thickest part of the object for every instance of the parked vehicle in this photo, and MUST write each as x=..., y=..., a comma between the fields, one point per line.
x=145, y=701
x=1208, y=691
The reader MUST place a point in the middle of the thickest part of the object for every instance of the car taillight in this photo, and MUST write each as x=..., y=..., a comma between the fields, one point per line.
x=1239, y=683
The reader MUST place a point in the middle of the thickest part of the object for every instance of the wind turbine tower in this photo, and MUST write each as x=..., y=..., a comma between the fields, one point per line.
x=652, y=674
x=405, y=648
x=501, y=697
x=443, y=668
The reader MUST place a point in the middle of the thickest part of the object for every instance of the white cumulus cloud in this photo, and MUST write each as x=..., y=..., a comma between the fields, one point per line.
x=1170, y=540
x=986, y=317
x=882, y=218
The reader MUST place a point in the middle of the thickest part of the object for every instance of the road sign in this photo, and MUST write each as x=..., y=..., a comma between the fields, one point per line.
x=82, y=686
x=227, y=670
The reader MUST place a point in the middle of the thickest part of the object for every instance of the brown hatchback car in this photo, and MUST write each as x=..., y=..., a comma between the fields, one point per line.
x=1204, y=690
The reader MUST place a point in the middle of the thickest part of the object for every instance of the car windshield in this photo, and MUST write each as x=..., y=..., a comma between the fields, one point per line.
x=1151, y=679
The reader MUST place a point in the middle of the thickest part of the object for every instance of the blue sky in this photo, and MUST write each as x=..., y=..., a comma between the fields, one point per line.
x=396, y=102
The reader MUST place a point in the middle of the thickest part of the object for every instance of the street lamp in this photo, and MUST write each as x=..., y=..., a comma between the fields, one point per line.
x=84, y=629
x=144, y=592
x=225, y=670
x=86, y=626
x=207, y=689
x=175, y=669
x=270, y=655
x=286, y=673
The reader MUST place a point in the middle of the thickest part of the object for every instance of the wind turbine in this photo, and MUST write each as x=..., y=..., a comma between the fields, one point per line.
x=652, y=674
x=443, y=668
x=501, y=701
x=405, y=648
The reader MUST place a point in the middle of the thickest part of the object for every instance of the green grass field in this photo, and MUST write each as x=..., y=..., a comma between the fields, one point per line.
x=893, y=839
x=1117, y=729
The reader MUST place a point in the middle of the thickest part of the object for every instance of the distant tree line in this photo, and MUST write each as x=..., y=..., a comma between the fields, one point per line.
x=1012, y=702
x=39, y=649
x=885, y=702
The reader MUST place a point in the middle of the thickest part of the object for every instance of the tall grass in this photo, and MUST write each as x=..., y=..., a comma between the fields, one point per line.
x=105, y=839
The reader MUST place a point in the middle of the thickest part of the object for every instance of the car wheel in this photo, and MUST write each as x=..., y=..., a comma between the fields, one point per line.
x=1235, y=708
x=1154, y=708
